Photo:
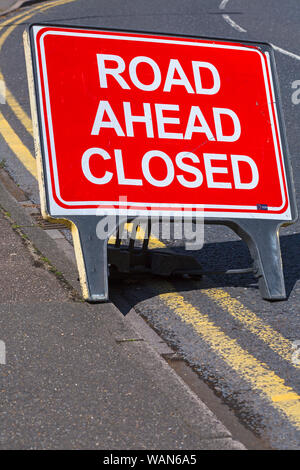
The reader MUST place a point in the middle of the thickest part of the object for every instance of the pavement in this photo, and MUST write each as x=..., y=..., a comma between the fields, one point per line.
x=78, y=376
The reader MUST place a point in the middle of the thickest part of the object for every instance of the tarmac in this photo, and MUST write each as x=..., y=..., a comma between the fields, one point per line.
x=79, y=375
x=6, y=6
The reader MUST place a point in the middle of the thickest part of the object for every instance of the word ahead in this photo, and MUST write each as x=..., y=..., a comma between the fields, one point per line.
x=144, y=123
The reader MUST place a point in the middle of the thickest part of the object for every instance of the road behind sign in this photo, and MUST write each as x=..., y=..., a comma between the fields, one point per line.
x=142, y=124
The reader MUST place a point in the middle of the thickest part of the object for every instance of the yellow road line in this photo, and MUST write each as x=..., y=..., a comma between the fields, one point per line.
x=21, y=115
x=284, y=397
x=275, y=340
x=17, y=146
x=256, y=373
x=278, y=343
x=9, y=135
x=140, y=235
x=18, y=111
x=32, y=10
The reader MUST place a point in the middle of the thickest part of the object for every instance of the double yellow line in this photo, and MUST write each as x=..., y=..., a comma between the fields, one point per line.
x=283, y=398
x=270, y=386
x=7, y=132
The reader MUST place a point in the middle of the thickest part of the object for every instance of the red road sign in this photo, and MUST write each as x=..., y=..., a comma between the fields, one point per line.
x=158, y=124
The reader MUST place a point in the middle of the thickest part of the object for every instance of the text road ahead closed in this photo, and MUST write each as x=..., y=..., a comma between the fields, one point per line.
x=158, y=123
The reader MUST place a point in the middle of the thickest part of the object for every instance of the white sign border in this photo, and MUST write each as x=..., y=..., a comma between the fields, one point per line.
x=133, y=210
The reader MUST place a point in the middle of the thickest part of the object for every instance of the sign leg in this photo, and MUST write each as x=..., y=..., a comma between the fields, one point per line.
x=262, y=238
x=91, y=257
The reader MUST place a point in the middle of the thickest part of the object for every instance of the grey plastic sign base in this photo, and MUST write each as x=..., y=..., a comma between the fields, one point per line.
x=261, y=237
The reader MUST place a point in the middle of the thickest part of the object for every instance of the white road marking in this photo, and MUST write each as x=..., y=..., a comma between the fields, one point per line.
x=233, y=24
x=2, y=353
x=288, y=53
x=223, y=4
x=238, y=28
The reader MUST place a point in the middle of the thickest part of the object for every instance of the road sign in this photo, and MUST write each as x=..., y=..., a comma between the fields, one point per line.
x=149, y=124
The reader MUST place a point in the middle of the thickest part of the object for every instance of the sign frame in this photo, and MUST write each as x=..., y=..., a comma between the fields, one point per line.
x=261, y=235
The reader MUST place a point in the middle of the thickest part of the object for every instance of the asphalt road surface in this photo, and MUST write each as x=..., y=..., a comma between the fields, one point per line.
x=244, y=348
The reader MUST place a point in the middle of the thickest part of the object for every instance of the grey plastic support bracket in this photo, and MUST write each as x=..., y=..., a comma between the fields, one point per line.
x=262, y=238
x=94, y=253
